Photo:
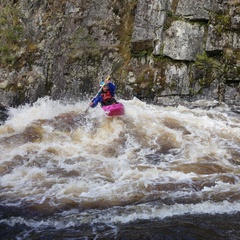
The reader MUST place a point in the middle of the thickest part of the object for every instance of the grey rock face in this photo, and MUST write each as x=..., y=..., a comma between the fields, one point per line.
x=189, y=48
x=149, y=21
x=197, y=9
x=183, y=41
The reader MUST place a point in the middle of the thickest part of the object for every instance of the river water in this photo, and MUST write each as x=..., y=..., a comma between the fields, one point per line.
x=154, y=173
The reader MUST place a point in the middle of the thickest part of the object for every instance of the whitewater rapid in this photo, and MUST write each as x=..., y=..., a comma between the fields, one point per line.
x=153, y=162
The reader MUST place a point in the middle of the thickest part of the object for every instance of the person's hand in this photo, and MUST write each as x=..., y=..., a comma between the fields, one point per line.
x=90, y=104
x=107, y=80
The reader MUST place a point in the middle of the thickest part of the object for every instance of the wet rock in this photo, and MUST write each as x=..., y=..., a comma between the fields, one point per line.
x=3, y=114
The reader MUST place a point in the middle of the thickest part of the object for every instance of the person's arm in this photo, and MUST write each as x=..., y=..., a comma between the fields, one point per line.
x=95, y=101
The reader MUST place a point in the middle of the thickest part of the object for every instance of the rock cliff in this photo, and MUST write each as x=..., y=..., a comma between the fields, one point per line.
x=173, y=50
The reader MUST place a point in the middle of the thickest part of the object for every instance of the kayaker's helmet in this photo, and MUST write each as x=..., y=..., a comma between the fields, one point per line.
x=103, y=84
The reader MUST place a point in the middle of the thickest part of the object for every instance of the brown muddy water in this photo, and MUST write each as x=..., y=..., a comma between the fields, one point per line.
x=154, y=173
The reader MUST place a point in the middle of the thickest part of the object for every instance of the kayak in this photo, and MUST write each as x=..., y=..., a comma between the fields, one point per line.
x=116, y=109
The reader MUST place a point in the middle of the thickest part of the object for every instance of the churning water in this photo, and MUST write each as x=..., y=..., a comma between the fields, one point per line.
x=155, y=173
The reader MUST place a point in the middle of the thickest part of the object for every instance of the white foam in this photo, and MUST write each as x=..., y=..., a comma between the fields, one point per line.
x=119, y=160
x=44, y=108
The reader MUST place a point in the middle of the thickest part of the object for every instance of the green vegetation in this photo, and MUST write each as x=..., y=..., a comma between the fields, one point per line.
x=83, y=45
x=210, y=66
x=223, y=23
x=140, y=54
x=11, y=34
x=171, y=17
x=125, y=29
x=144, y=83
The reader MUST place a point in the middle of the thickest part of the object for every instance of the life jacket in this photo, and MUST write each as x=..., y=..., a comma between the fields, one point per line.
x=107, y=99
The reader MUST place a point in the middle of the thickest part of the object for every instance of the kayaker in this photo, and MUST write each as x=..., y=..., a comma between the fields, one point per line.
x=106, y=96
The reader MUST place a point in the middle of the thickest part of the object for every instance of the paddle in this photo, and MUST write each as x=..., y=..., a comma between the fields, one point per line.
x=116, y=65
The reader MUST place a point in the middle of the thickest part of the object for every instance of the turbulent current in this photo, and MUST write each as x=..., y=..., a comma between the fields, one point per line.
x=154, y=173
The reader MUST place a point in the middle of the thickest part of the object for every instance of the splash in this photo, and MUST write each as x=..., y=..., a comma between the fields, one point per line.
x=53, y=154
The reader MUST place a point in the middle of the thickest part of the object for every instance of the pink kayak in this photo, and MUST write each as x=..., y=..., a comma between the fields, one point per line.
x=115, y=109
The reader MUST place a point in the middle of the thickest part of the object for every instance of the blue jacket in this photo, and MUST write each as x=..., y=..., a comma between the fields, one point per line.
x=99, y=97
